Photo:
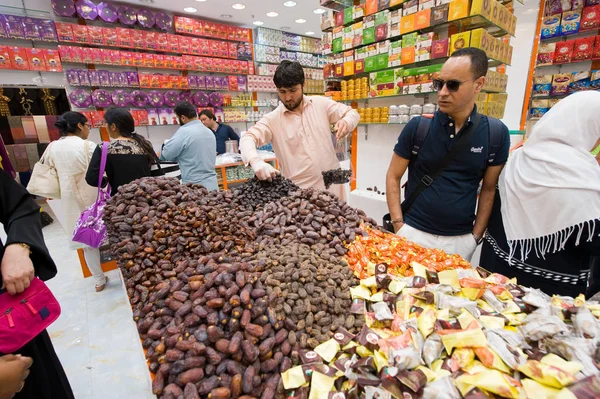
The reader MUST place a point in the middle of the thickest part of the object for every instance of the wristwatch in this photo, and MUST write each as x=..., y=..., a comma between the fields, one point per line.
x=478, y=239
x=22, y=245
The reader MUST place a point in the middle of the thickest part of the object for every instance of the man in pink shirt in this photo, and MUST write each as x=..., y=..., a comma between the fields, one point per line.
x=300, y=132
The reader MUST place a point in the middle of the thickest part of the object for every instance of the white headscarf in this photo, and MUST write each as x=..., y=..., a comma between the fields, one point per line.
x=550, y=188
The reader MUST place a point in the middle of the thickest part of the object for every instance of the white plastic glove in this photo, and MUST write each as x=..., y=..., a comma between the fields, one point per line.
x=263, y=170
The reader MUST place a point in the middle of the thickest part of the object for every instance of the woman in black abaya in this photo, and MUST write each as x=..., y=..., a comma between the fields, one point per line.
x=22, y=256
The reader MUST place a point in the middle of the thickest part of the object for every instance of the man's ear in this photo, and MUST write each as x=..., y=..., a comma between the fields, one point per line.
x=479, y=83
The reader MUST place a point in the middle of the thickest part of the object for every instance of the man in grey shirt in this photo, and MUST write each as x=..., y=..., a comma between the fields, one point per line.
x=193, y=147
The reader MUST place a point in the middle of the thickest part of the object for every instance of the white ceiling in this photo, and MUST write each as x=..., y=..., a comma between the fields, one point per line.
x=213, y=9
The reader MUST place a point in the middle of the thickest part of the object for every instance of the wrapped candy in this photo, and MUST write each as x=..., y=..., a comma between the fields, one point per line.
x=432, y=349
x=546, y=374
x=490, y=380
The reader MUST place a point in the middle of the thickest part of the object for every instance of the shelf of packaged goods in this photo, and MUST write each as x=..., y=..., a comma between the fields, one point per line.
x=463, y=24
x=405, y=94
x=290, y=50
x=591, y=33
x=491, y=64
x=564, y=63
x=382, y=123
x=246, y=106
x=145, y=67
x=557, y=96
x=277, y=63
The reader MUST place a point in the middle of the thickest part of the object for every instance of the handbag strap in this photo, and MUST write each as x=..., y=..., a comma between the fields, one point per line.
x=427, y=180
x=102, y=168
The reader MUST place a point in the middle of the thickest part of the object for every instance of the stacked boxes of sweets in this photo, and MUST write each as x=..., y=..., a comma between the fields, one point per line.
x=30, y=59
x=196, y=27
x=492, y=104
x=437, y=328
x=568, y=17
x=152, y=41
x=495, y=48
x=36, y=29
x=355, y=89
x=495, y=82
x=261, y=84
x=577, y=50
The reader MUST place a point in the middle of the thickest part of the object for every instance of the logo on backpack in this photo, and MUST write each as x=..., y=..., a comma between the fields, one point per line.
x=477, y=150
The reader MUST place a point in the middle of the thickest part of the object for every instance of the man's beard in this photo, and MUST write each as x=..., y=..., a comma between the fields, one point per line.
x=295, y=106
x=181, y=122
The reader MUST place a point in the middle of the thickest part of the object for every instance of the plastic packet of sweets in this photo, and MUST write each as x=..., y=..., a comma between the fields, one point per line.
x=382, y=311
x=511, y=355
x=432, y=349
x=320, y=385
x=472, y=338
x=293, y=378
x=464, y=357
x=455, y=304
x=537, y=298
x=414, y=380
x=492, y=381
x=558, y=362
x=491, y=359
x=535, y=390
x=442, y=388
x=376, y=393
x=586, y=325
x=546, y=374
x=426, y=322
x=574, y=349
x=588, y=388
x=539, y=328
x=406, y=358
x=328, y=349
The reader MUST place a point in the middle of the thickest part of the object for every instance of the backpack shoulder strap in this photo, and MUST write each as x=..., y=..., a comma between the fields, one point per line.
x=496, y=130
x=421, y=133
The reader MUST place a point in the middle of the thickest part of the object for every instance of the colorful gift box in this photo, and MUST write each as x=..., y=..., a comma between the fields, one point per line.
x=583, y=49
x=124, y=37
x=36, y=59
x=439, y=14
x=439, y=48
x=18, y=58
x=423, y=19
x=64, y=32
x=570, y=22
x=460, y=40
x=564, y=52
x=546, y=54
x=590, y=18
x=458, y=9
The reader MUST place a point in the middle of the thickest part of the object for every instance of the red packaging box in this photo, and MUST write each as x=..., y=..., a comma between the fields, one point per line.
x=174, y=82
x=159, y=61
x=224, y=50
x=106, y=56
x=96, y=55
x=164, y=81
x=596, y=52
x=179, y=23
x=162, y=42
x=249, y=68
x=371, y=7
x=150, y=40
x=137, y=39
x=169, y=64
x=36, y=59
x=195, y=46
x=584, y=48
x=590, y=18
x=208, y=65
x=4, y=58
x=439, y=48
x=127, y=58
x=185, y=44
x=52, y=58
x=80, y=34
x=138, y=59
x=145, y=80
x=177, y=62
x=110, y=37
x=124, y=37
x=200, y=64
x=564, y=52
x=64, y=32
x=18, y=58
x=86, y=54
x=188, y=62
x=148, y=60
x=96, y=36
x=64, y=53
x=98, y=119
x=233, y=50
x=204, y=47
x=173, y=43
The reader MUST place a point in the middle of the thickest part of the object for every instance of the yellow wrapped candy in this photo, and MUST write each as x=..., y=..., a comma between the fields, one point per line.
x=426, y=322
x=320, y=385
x=546, y=374
x=449, y=277
x=558, y=362
x=492, y=322
x=465, y=319
x=293, y=378
x=464, y=357
x=490, y=359
x=492, y=381
x=360, y=292
x=472, y=338
x=328, y=349
x=535, y=390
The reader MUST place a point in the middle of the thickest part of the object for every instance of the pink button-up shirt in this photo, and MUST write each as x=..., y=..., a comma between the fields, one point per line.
x=302, y=140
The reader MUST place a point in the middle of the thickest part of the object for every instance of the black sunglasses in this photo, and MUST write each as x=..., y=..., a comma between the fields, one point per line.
x=452, y=85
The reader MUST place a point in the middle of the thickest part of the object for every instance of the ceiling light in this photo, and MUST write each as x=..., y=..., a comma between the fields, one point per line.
x=225, y=16
x=200, y=1
x=300, y=21
x=285, y=28
x=309, y=33
x=316, y=11
x=258, y=23
x=190, y=9
x=238, y=6
x=290, y=4
x=272, y=14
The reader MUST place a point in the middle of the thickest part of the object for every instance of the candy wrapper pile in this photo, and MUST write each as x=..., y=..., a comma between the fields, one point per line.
x=437, y=328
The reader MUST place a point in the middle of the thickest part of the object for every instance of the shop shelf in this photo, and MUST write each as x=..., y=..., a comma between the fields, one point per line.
x=491, y=63
x=591, y=32
x=563, y=63
x=464, y=24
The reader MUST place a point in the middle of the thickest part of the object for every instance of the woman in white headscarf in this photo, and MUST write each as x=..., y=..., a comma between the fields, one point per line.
x=545, y=226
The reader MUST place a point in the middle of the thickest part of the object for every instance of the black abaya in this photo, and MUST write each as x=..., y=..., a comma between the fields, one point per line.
x=20, y=216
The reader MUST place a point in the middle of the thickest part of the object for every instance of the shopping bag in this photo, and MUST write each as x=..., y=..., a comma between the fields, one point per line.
x=44, y=178
x=90, y=228
x=26, y=315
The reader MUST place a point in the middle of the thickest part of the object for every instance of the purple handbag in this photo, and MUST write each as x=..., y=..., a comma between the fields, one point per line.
x=90, y=229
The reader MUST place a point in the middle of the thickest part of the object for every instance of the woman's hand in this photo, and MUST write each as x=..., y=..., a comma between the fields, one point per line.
x=17, y=269
x=14, y=369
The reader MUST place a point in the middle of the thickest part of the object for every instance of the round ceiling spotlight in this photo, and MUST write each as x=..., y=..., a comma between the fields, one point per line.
x=226, y=16
x=309, y=33
x=319, y=11
x=285, y=28
x=272, y=14
x=300, y=21
x=258, y=23
x=238, y=6
x=289, y=4
x=190, y=9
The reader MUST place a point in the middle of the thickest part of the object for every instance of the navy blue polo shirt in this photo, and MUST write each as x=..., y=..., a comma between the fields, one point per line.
x=447, y=207
x=222, y=134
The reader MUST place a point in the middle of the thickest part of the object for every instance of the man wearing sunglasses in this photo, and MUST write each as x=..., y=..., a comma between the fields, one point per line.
x=447, y=157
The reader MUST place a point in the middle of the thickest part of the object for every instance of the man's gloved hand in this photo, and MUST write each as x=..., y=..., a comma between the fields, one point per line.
x=263, y=170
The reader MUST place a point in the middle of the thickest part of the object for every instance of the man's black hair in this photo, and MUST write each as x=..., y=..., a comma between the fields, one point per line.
x=288, y=74
x=479, y=60
x=208, y=113
x=186, y=109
